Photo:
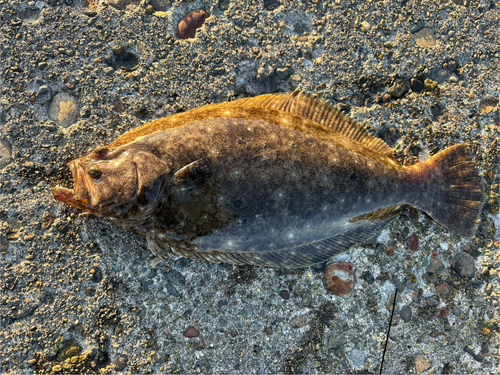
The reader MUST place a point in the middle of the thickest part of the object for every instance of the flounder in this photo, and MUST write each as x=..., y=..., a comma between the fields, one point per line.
x=282, y=181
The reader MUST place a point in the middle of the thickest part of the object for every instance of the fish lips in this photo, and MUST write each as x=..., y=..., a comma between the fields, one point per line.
x=79, y=196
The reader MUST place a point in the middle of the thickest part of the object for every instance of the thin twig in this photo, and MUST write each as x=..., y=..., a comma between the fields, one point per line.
x=388, y=330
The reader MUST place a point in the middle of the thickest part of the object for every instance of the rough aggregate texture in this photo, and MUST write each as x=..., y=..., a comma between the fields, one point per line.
x=80, y=294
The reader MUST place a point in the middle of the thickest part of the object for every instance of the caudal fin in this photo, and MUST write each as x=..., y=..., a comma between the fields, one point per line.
x=456, y=191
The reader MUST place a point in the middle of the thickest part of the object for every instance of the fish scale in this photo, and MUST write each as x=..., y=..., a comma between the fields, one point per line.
x=277, y=181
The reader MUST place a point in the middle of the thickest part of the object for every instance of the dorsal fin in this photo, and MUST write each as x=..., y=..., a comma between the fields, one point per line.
x=306, y=105
x=297, y=103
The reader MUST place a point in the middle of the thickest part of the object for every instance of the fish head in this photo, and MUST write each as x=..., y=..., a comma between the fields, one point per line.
x=122, y=184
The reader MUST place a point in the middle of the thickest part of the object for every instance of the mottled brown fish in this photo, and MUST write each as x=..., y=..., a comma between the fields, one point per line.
x=276, y=181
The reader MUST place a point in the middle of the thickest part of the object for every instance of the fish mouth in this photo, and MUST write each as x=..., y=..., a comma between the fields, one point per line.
x=79, y=196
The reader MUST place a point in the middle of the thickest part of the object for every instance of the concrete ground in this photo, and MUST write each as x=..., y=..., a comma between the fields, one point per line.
x=79, y=294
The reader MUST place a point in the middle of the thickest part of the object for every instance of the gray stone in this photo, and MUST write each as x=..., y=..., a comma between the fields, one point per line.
x=405, y=313
x=358, y=357
x=399, y=88
x=463, y=264
x=161, y=5
x=435, y=266
x=284, y=73
x=432, y=301
x=5, y=153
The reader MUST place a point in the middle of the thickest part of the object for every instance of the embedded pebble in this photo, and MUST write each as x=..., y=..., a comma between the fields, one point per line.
x=271, y=4
x=421, y=364
x=435, y=266
x=412, y=242
x=463, y=264
x=405, y=313
x=425, y=38
x=488, y=104
x=126, y=60
x=298, y=321
x=161, y=5
x=63, y=110
x=399, y=88
x=44, y=93
x=432, y=301
x=191, y=332
x=285, y=294
x=193, y=20
x=5, y=153
x=340, y=278
x=358, y=357
x=416, y=85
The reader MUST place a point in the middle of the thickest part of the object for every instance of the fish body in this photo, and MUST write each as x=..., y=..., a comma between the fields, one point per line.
x=276, y=181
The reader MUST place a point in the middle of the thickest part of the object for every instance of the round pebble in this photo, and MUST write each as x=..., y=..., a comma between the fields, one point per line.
x=358, y=357
x=340, y=278
x=191, y=332
x=63, y=110
x=298, y=321
x=405, y=313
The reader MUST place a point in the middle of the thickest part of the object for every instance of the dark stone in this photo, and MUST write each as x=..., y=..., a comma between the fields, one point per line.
x=171, y=289
x=447, y=369
x=418, y=26
x=451, y=65
x=127, y=61
x=271, y=4
x=285, y=294
x=399, y=88
x=463, y=264
x=368, y=277
x=182, y=262
x=405, y=313
x=284, y=73
x=357, y=100
x=175, y=277
x=224, y=4
x=417, y=85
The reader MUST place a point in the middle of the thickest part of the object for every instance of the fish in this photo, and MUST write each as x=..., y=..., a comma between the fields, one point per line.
x=277, y=180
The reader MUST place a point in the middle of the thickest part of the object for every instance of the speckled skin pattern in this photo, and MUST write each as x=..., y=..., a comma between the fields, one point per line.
x=237, y=185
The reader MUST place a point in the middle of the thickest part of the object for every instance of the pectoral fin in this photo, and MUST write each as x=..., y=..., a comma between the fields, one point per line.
x=193, y=174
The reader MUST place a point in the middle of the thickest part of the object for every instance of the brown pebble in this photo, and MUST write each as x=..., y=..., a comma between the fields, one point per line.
x=340, y=278
x=413, y=242
x=434, y=253
x=421, y=364
x=390, y=250
x=443, y=313
x=191, y=332
x=193, y=20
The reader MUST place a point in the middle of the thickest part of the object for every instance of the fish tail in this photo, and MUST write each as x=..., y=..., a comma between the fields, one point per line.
x=453, y=191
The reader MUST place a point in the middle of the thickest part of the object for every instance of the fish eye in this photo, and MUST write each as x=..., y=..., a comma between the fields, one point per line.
x=95, y=173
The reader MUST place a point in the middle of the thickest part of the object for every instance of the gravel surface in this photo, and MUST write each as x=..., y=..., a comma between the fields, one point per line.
x=79, y=294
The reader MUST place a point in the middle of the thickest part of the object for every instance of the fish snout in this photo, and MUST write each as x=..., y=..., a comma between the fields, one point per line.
x=77, y=197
